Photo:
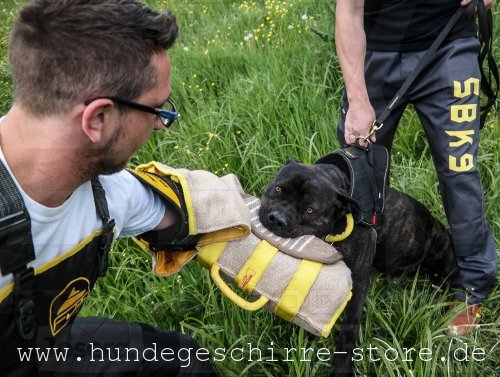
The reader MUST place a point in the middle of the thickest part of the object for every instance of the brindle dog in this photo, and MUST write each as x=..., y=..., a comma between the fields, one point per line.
x=313, y=199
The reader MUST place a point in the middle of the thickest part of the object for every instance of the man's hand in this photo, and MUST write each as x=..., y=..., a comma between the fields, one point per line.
x=487, y=3
x=358, y=123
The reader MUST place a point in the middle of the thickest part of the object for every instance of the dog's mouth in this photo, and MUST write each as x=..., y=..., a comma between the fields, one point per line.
x=288, y=233
x=278, y=223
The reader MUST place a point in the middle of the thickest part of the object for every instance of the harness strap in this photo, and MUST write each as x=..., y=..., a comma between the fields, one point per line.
x=16, y=252
x=376, y=191
x=15, y=224
x=101, y=204
x=107, y=236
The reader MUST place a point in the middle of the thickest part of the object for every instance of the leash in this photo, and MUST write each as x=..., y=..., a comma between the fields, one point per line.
x=486, y=52
x=485, y=34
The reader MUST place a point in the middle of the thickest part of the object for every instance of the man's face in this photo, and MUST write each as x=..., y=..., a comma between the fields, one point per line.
x=133, y=127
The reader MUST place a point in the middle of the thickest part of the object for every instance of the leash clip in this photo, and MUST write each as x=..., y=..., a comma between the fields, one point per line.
x=374, y=128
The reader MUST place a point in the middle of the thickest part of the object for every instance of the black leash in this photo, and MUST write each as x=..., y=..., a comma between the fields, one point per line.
x=485, y=37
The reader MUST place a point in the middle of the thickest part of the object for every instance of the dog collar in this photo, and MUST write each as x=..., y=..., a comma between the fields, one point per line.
x=346, y=233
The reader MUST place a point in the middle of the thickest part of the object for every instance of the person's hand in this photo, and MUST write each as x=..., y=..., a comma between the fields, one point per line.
x=487, y=3
x=358, y=123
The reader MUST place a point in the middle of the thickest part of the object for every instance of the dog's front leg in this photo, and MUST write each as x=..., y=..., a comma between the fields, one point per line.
x=358, y=257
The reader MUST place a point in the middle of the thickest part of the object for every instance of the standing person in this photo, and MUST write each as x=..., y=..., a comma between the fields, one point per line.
x=379, y=43
x=91, y=82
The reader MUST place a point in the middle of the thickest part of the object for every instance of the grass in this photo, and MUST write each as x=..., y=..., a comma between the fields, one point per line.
x=256, y=86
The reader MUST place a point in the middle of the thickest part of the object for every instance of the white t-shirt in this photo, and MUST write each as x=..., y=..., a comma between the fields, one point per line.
x=134, y=207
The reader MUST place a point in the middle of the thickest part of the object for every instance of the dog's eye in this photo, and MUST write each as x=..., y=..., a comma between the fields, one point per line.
x=309, y=210
x=278, y=189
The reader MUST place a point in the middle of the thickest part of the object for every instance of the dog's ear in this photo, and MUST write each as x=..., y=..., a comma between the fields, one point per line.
x=291, y=161
x=342, y=186
x=350, y=205
x=337, y=176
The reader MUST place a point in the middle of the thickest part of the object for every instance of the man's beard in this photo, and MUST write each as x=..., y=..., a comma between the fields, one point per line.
x=103, y=160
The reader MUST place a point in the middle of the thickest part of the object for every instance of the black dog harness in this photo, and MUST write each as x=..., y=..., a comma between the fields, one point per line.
x=367, y=170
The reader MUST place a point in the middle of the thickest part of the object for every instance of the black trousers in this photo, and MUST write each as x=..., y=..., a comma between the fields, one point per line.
x=105, y=347
x=446, y=100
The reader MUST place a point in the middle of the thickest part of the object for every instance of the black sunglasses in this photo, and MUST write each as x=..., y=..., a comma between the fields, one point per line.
x=167, y=116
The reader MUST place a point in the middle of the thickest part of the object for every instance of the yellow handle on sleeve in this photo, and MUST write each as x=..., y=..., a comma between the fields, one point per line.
x=230, y=294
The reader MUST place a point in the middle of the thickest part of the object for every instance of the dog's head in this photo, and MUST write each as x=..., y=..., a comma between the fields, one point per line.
x=305, y=199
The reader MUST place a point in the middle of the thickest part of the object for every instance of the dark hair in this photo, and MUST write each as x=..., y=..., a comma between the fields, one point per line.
x=63, y=52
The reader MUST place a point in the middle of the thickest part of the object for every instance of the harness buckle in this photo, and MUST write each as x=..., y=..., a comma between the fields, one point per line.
x=24, y=304
x=25, y=318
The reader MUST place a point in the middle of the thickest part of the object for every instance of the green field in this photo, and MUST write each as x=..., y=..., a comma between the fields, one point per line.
x=257, y=82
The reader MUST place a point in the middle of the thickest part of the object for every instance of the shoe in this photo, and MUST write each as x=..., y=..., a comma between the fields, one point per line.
x=465, y=321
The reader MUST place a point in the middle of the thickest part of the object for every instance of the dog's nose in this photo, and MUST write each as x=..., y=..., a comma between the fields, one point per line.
x=277, y=218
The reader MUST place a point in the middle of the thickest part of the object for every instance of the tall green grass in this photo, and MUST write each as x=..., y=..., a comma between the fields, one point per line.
x=255, y=86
